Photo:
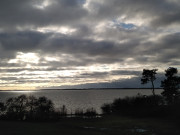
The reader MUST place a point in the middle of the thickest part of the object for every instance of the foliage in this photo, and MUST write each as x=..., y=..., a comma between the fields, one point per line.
x=149, y=76
x=45, y=108
x=79, y=112
x=32, y=109
x=139, y=105
x=28, y=108
x=90, y=112
x=171, y=85
x=2, y=108
x=16, y=107
x=106, y=108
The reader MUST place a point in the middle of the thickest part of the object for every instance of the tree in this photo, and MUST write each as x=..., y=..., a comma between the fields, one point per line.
x=45, y=108
x=17, y=107
x=2, y=108
x=149, y=76
x=171, y=85
x=32, y=105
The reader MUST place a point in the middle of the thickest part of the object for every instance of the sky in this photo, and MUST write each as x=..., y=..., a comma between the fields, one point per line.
x=86, y=43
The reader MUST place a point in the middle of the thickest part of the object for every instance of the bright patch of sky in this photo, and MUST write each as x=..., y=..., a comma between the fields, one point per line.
x=56, y=29
x=42, y=4
x=25, y=58
x=118, y=24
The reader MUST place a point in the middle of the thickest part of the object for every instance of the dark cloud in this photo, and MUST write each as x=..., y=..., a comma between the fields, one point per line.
x=78, y=34
x=89, y=51
x=21, y=41
x=156, y=11
x=66, y=12
x=166, y=48
x=25, y=13
x=125, y=72
x=94, y=75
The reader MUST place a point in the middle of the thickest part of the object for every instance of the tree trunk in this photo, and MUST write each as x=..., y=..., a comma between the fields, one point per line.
x=153, y=91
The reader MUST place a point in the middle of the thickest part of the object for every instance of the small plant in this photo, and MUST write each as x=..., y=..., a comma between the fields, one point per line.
x=106, y=108
x=79, y=112
x=2, y=108
x=63, y=111
x=90, y=112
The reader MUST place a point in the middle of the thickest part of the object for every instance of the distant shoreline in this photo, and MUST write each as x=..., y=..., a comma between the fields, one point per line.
x=85, y=89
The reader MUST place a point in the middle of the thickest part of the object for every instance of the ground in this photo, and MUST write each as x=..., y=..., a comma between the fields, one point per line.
x=109, y=125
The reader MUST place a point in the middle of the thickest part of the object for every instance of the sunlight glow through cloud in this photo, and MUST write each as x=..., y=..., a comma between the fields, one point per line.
x=25, y=58
x=42, y=5
x=57, y=29
x=55, y=43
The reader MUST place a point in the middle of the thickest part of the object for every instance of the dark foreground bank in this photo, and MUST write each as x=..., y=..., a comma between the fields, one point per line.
x=139, y=115
x=109, y=125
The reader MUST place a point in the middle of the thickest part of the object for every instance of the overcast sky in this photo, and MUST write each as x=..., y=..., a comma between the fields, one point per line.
x=54, y=43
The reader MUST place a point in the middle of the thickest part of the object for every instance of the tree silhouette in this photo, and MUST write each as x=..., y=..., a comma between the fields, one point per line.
x=171, y=85
x=63, y=111
x=17, y=107
x=45, y=107
x=32, y=106
x=2, y=108
x=149, y=76
x=28, y=108
x=32, y=103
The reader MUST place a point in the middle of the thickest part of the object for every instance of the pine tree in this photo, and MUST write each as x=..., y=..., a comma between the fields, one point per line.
x=171, y=85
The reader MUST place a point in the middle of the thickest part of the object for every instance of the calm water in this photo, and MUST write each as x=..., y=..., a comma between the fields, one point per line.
x=83, y=99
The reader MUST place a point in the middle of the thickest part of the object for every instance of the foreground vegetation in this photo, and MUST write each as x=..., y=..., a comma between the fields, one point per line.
x=165, y=105
x=30, y=108
x=109, y=125
x=140, y=115
x=144, y=107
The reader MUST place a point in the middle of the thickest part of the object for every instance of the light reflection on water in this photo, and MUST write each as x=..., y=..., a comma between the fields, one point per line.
x=84, y=99
x=20, y=91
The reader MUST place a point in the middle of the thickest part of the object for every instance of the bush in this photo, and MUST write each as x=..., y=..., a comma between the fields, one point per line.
x=139, y=106
x=90, y=112
x=44, y=109
x=32, y=109
x=79, y=112
x=106, y=108
x=2, y=109
x=16, y=107
x=28, y=108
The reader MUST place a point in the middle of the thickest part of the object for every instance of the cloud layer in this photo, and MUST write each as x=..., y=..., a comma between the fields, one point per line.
x=49, y=43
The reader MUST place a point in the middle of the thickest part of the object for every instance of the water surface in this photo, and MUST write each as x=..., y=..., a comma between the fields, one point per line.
x=83, y=99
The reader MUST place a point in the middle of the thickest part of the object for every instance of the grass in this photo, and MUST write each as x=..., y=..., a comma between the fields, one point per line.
x=108, y=125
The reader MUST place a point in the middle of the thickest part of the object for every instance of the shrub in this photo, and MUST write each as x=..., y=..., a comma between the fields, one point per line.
x=79, y=112
x=44, y=109
x=29, y=108
x=90, y=112
x=138, y=105
x=16, y=107
x=2, y=109
x=106, y=108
